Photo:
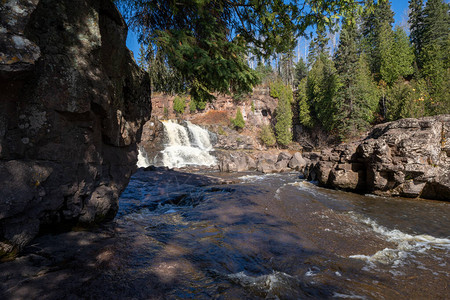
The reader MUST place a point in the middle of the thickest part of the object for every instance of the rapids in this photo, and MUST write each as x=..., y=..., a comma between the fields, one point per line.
x=187, y=236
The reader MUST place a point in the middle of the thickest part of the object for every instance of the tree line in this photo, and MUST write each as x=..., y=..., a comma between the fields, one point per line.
x=377, y=73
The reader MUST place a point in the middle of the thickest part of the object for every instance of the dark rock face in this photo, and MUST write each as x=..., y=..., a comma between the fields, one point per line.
x=72, y=106
x=408, y=158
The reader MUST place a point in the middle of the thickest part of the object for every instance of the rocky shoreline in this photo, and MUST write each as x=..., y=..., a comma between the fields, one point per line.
x=406, y=158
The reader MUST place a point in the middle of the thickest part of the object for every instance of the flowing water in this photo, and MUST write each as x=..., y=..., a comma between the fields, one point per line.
x=186, y=144
x=280, y=237
x=185, y=236
x=181, y=236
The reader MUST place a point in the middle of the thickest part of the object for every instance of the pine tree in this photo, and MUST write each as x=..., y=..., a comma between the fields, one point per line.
x=322, y=88
x=304, y=110
x=435, y=55
x=142, y=58
x=318, y=46
x=374, y=23
x=238, y=121
x=366, y=96
x=300, y=71
x=397, y=59
x=416, y=27
x=357, y=99
x=283, y=117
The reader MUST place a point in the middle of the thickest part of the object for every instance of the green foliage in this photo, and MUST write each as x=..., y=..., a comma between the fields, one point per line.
x=265, y=72
x=374, y=22
x=201, y=105
x=203, y=43
x=276, y=88
x=416, y=27
x=304, y=111
x=357, y=99
x=192, y=107
x=435, y=54
x=407, y=100
x=283, y=114
x=322, y=88
x=300, y=71
x=267, y=136
x=179, y=104
x=166, y=112
x=318, y=46
x=238, y=122
x=397, y=60
x=253, y=106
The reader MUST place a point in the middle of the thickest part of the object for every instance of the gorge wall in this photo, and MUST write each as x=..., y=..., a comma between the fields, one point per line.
x=72, y=106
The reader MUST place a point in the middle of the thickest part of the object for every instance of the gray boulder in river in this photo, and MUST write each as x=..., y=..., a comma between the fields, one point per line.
x=408, y=158
x=72, y=106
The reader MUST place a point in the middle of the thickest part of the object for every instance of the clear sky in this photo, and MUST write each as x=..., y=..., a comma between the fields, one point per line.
x=400, y=8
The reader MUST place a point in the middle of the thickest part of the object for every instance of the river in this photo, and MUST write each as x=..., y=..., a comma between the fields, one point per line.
x=183, y=236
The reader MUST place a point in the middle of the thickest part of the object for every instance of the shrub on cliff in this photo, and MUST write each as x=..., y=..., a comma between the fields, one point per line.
x=179, y=104
x=238, y=121
x=267, y=136
x=192, y=106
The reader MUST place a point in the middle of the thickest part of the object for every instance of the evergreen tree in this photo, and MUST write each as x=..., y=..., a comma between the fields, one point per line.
x=238, y=121
x=397, y=59
x=322, y=88
x=357, y=99
x=206, y=41
x=435, y=55
x=416, y=27
x=366, y=97
x=300, y=71
x=375, y=22
x=403, y=53
x=142, y=58
x=304, y=110
x=283, y=116
x=319, y=45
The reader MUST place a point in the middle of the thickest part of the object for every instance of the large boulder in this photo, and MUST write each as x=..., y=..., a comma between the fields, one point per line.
x=408, y=158
x=72, y=106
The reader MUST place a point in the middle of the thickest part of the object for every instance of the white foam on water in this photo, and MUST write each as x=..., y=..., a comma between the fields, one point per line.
x=271, y=283
x=407, y=244
x=254, y=178
x=306, y=186
x=345, y=296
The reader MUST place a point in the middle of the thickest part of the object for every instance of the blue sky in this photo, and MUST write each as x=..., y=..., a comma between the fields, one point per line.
x=400, y=8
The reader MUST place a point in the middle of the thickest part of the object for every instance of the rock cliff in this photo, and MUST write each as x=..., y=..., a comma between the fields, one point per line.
x=408, y=158
x=72, y=106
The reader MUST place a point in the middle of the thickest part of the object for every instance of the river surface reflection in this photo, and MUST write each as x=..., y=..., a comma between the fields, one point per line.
x=274, y=236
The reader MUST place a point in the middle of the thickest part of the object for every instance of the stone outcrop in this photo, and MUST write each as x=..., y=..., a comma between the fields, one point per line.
x=72, y=106
x=408, y=158
x=264, y=162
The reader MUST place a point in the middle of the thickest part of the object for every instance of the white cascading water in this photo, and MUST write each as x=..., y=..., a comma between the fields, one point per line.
x=186, y=146
x=143, y=161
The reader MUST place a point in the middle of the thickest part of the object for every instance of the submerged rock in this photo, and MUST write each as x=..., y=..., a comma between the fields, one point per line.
x=408, y=158
x=72, y=107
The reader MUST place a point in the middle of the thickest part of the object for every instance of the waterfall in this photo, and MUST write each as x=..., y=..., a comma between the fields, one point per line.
x=143, y=160
x=185, y=145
